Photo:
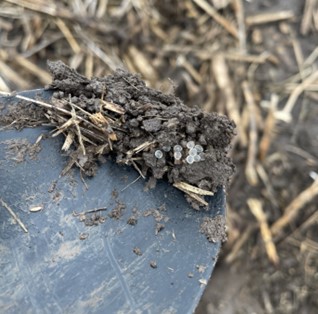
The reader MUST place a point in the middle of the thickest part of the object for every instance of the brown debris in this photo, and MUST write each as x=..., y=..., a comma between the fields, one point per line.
x=257, y=210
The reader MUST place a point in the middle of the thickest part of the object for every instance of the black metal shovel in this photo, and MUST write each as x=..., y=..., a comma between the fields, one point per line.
x=62, y=265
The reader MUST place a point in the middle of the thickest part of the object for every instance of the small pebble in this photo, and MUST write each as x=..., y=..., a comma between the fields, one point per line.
x=153, y=264
x=193, y=152
x=199, y=148
x=190, y=144
x=177, y=148
x=158, y=154
x=177, y=155
x=190, y=160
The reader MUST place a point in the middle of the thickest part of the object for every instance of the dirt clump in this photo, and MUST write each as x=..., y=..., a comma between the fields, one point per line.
x=154, y=132
x=214, y=228
x=117, y=212
x=132, y=220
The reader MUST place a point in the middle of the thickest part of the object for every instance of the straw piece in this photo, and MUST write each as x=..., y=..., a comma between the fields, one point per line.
x=257, y=210
x=68, y=35
x=270, y=17
x=12, y=76
x=42, y=75
x=250, y=169
x=239, y=8
x=223, y=81
x=193, y=189
x=308, y=16
x=13, y=214
x=142, y=64
x=285, y=113
x=293, y=209
x=217, y=17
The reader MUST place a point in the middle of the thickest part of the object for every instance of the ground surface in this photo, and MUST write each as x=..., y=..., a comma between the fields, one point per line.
x=224, y=56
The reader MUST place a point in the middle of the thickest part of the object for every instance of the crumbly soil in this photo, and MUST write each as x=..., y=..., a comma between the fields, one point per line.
x=132, y=122
x=153, y=117
x=214, y=228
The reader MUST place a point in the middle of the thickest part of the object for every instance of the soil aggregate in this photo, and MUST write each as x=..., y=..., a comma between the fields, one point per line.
x=214, y=228
x=117, y=212
x=139, y=126
x=151, y=117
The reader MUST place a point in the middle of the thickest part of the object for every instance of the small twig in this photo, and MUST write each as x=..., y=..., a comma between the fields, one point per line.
x=68, y=35
x=49, y=106
x=131, y=183
x=222, y=77
x=94, y=210
x=257, y=210
x=294, y=207
x=138, y=170
x=241, y=24
x=250, y=170
x=307, y=19
x=217, y=17
x=75, y=122
x=12, y=213
x=270, y=17
x=183, y=186
x=285, y=113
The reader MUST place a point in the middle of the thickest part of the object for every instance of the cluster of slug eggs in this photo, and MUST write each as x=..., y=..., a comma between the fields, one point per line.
x=194, y=153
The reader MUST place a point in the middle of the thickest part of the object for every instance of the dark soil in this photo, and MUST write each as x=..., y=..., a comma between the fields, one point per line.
x=158, y=120
x=134, y=123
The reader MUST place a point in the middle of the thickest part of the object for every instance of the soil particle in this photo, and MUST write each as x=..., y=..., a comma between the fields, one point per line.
x=92, y=219
x=137, y=251
x=159, y=227
x=200, y=268
x=52, y=186
x=117, y=212
x=153, y=264
x=156, y=214
x=132, y=220
x=214, y=228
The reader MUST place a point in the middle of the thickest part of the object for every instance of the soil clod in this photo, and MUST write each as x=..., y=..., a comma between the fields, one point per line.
x=154, y=132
